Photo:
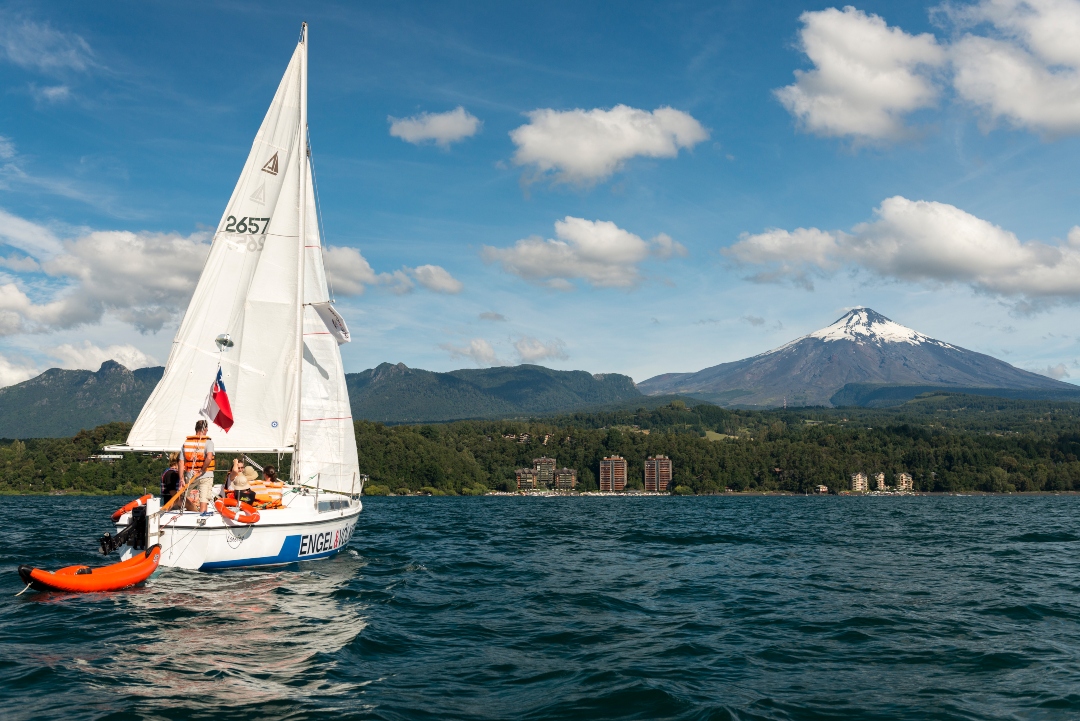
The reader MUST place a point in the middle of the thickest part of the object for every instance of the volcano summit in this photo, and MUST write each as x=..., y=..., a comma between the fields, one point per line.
x=862, y=347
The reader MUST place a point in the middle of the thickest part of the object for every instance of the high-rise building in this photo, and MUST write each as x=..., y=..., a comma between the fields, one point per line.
x=879, y=481
x=613, y=474
x=858, y=482
x=657, y=474
x=545, y=471
x=526, y=479
x=904, y=482
x=565, y=479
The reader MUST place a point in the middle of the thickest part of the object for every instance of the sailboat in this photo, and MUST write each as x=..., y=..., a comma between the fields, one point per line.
x=261, y=316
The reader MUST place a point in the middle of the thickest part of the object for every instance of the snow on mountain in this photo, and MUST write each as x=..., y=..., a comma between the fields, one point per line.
x=862, y=347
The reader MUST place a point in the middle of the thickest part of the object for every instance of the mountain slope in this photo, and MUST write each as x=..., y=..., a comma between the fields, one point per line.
x=862, y=347
x=60, y=402
x=399, y=394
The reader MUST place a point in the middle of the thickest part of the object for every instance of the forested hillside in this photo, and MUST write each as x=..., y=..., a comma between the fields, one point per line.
x=947, y=442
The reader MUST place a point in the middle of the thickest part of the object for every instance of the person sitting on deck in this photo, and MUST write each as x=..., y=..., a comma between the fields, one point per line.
x=239, y=481
x=170, y=479
x=197, y=465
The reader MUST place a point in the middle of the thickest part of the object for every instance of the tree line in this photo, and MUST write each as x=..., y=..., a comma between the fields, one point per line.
x=947, y=442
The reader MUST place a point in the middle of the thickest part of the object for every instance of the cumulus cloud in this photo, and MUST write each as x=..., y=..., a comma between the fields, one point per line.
x=31, y=238
x=1057, y=372
x=350, y=273
x=596, y=251
x=40, y=47
x=867, y=76
x=479, y=351
x=439, y=128
x=88, y=356
x=1027, y=72
x=586, y=146
x=436, y=278
x=532, y=350
x=927, y=242
x=16, y=370
x=492, y=316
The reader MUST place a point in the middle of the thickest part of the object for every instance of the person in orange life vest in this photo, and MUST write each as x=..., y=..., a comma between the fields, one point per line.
x=239, y=482
x=197, y=465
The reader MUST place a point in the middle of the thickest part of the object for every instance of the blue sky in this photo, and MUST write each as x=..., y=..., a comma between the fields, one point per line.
x=927, y=154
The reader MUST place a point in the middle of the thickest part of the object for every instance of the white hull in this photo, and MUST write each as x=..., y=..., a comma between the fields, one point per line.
x=300, y=532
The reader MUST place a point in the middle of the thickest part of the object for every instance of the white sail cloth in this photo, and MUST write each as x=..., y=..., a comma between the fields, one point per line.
x=327, y=454
x=249, y=290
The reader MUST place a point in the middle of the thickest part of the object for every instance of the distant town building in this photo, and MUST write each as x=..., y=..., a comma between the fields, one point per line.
x=613, y=474
x=565, y=479
x=545, y=471
x=858, y=482
x=526, y=479
x=822, y=489
x=904, y=482
x=879, y=482
x=657, y=474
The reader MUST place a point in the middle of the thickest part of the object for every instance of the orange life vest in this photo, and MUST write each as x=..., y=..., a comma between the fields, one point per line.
x=195, y=455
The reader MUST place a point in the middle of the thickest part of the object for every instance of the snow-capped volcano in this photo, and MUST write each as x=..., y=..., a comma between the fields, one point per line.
x=863, y=325
x=862, y=346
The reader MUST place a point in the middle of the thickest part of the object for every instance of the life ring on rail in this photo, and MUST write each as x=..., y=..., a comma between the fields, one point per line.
x=227, y=508
x=134, y=504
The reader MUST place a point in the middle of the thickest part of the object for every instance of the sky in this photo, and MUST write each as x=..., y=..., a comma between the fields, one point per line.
x=635, y=188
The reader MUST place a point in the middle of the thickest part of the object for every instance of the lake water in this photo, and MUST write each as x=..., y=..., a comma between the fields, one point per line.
x=566, y=608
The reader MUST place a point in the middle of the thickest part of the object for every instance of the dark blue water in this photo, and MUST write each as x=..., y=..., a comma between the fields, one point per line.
x=648, y=608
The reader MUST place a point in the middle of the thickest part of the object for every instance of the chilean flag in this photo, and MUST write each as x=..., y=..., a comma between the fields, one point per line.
x=217, y=408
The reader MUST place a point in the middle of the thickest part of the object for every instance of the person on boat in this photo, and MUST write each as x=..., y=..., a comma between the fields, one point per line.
x=270, y=475
x=170, y=479
x=197, y=465
x=239, y=481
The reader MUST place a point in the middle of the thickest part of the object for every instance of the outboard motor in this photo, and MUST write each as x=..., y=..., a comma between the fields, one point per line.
x=135, y=535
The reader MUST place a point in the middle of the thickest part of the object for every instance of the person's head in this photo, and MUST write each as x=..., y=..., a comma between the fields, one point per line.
x=200, y=428
x=240, y=464
x=271, y=473
x=174, y=460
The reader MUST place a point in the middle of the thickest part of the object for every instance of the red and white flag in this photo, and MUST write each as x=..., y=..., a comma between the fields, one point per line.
x=217, y=408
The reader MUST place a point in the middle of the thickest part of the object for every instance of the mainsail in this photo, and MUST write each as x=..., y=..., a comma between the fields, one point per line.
x=287, y=390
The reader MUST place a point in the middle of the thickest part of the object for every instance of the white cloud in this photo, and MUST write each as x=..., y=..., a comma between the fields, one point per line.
x=440, y=128
x=51, y=94
x=867, y=76
x=88, y=356
x=585, y=146
x=479, y=351
x=927, y=242
x=1028, y=74
x=1057, y=372
x=29, y=237
x=7, y=148
x=532, y=350
x=348, y=271
x=14, y=371
x=436, y=278
x=596, y=251
x=40, y=47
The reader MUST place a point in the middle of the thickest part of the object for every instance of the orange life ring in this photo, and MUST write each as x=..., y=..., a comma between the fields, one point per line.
x=227, y=508
x=134, y=504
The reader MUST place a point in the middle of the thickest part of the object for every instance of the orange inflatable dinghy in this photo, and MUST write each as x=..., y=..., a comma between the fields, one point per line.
x=83, y=579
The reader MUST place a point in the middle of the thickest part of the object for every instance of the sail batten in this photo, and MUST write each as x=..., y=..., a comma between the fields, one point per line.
x=285, y=380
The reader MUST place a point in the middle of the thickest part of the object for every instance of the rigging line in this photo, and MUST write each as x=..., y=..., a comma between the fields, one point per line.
x=319, y=218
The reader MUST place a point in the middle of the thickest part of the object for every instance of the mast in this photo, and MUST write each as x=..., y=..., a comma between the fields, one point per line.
x=302, y=241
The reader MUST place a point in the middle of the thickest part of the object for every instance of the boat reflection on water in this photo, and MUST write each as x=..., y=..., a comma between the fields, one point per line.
x=201, y=641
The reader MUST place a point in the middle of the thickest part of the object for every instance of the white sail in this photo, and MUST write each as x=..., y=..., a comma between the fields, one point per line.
x=327, y=454
x=249, y=290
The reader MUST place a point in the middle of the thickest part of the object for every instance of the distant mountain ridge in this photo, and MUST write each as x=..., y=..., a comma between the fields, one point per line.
x=60, y=402
x=861, y=347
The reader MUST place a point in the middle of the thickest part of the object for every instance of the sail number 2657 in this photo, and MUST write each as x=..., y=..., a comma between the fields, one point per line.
x=246, y=225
